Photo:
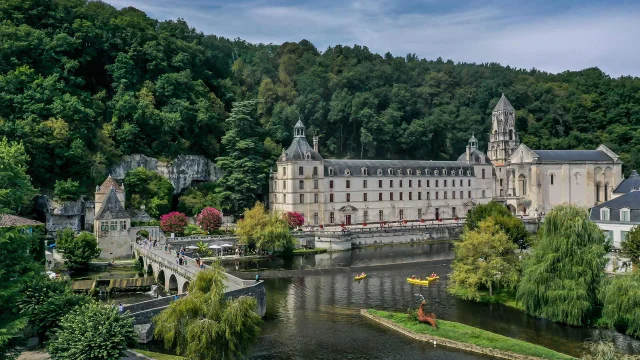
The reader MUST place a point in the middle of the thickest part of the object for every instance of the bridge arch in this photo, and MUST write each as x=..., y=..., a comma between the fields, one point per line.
x=160, y=278
x=173, y=284
x=185, y=287
x=149, y=269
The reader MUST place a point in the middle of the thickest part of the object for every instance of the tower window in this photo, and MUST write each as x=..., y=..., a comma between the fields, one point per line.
x=315, y=171
x=330, y=184
x=301, y=184
x=330, y=171
x=348, y=184
x=300, y=170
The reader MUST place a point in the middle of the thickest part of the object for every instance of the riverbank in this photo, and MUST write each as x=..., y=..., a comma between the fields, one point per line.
x=504, y=297
x=464, y=337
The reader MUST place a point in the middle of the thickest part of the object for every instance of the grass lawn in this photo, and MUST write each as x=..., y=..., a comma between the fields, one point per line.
x=159, y=356
x=468, y=334
x=504, y=297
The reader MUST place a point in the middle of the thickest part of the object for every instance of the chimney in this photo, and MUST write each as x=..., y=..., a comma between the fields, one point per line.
x=469, y=153
x=315, y=143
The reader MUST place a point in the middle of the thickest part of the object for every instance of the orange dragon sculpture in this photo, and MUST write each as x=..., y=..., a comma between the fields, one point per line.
x=426, y=319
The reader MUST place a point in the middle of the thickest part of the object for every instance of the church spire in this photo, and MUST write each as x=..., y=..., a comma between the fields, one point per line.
x=503, y=139
x=298, y=129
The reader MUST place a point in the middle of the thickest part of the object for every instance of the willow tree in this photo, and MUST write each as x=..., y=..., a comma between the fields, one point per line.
x=206, y=325
x=631, y=246
x=566, y=266
x=621, y=303
x=484, y=258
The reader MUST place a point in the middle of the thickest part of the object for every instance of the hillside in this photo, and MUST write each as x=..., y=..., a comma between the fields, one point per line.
x=82, y=83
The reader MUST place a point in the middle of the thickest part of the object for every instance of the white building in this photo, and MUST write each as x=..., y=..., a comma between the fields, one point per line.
x=616, y=218
x=334, y=191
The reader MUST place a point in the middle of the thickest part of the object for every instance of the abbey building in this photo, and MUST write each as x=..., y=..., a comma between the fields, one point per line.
x=336, y=191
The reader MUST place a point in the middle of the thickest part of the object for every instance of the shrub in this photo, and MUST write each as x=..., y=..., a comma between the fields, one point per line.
x=66, y=190
x=209, y=219
x=173, y=222
x=294, y=219
x=79, y=250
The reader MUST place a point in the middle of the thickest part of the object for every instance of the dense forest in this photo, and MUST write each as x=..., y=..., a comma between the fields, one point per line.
x=82, y=83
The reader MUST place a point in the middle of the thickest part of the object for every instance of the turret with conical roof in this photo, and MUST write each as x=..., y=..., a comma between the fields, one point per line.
x=503, y=140
x=299, y=148
x=103, y=190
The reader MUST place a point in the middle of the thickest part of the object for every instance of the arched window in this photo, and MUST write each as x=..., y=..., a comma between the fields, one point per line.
x=483, y=193
x=460, y=172
x=435, y=172
x=606, y=191
x=347, y=172
x=598, y=189
x=522, y=185
x=330, y=171
x=444, y=172
x=510, y=134
x=495, y=134
x=409, y=172
x=365, y=172
x=390, y=171
x=427, y=172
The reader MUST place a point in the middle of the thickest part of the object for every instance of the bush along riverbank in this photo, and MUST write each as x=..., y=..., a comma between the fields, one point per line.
x=504, y=297
x=463, y=337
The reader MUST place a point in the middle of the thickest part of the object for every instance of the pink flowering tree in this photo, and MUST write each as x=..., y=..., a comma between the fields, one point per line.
x=209, y=219
x=294, y=218
x=173, y=222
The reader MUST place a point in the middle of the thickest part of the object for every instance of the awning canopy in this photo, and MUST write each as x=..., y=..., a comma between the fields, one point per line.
x=215, y=247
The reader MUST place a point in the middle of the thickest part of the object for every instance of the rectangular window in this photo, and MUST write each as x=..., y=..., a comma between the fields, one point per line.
x=453, y=183
x=348, y=197
x=275, y=185
x=436, y=195
x=453, y=212
x=453, y=194
x=365, y=215
x=469, y=182
x=315, y=198
x=332, y=217
x=364, y=184
x=469, y=195
x=301, y=198
x=428, y=183
x=284, y=185
x=315, y=171
x=428, y=195
x=300, y=170
x=445, y=183
x=380, y=184
x=401, y=196
x=500, y=182
x=284, y=198
x=483, y=176
x=401, y=214
x=400, y=183
x=379, y=196
x=419, y=195
x=380, y=215
x=410, y=195
x=623, y=235
x=284, y=171
x=436, y=183
x=364, y=197
x=316, y=219
x=625, y=215
x=348, y=184
x=330, y=184
x=608, y=235
x=391, y=196
x=410, y=183
x=419, y=183
x=275, y=198
x=104, y=226
x=390, y=183
x=301, y=184
x=315, y=184
x=419, y=213
x=123, y=225
x=461, y=183
x=330, y=197
x=461, y=194
x=113, y=226
x=604, y=214
x=445, y=194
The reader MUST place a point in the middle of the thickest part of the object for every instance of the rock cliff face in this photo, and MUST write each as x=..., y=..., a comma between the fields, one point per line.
x=181, y=172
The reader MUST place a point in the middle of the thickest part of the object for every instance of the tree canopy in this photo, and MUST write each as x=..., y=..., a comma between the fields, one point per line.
x=78, y=251
x=631, y=246
x=621, y=302
x=149, y=189
x=512, y=226
x=82, y=83
x=564, y=271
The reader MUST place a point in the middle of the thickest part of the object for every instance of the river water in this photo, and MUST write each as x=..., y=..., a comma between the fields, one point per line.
x=316, y=315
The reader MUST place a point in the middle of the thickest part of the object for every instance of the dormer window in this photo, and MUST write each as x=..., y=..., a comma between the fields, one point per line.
x=460, y=172
x=347, y=172
x=468, y=172
x=307, y=155
x=435, y=172
x=427, y=172
x=330, y=171
x=444, y=172
x=418, y=172
x=365, y=172
x=379, y=172
x=409, y=172
x=625, y=215
x=604, y=214
x=399, y=172
x=390, y=171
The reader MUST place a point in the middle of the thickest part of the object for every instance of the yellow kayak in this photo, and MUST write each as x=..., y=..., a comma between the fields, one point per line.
x=433, y=278
x=360, y=277
x=418, y=282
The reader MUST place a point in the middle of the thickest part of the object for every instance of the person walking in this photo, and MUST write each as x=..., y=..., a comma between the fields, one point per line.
x=121, y=309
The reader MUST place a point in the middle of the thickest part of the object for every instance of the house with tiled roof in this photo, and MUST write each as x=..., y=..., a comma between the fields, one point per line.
x=112, y=221
x=13, y=221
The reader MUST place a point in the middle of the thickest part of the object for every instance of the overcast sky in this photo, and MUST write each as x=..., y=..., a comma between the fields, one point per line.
x=550, y=35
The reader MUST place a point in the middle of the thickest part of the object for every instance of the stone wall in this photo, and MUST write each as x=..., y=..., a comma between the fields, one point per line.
x=181, y=172
x=64, y=214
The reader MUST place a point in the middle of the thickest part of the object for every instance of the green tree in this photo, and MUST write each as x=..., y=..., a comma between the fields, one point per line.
x=78, y=252
x=512, y=226
x=276, y=235
x=92, y=331
x=67, y=190
x=565, y=268
x=253, y=221
x=44, y=302
x=195, y=199
x=243, y=165
x=150, y=189
x=484, y=258
x=621, y=302
x=65, y=236
x=205, y=324
x=16, y=190
x=631, y=246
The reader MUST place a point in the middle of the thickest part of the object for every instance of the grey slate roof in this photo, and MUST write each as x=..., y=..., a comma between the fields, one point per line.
x=298, y=148
x=633, y=181
x=503, y=104
x=572, y=155
x=112, y=208
x=476, y=157
x=7, y=220
x=630, y=200
x=399, y=167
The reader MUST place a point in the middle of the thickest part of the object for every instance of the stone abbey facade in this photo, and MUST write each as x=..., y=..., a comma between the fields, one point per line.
x=528, y=182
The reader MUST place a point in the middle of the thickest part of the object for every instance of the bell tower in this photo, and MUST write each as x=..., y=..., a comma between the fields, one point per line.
x=503, y=140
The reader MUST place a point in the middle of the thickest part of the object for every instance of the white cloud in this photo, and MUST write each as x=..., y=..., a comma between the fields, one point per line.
x=569, y=40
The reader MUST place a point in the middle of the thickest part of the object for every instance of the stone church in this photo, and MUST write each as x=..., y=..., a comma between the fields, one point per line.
x=533, y=181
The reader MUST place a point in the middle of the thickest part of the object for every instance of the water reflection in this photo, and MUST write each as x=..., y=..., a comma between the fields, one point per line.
x=317, y=316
